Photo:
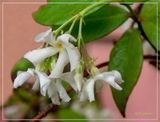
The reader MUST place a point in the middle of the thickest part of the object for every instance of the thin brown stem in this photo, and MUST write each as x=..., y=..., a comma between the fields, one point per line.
x=154, y=57
x=49, y=108
x=43, y=113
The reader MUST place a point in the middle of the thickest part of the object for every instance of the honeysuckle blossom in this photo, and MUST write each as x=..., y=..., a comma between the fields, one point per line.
x=112, y=78
x=41, y=79
x=74, y=78
x=55, y=91
x=60, y=45
x=67, y=54
x=78, y=76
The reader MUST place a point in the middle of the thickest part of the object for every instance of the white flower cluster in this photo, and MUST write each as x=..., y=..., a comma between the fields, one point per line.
x=50, y=83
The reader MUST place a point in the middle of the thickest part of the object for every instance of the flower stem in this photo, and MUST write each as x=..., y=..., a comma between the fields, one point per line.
x=72, y=25
x=56, y=32
x=80, y=38
x=80, y=14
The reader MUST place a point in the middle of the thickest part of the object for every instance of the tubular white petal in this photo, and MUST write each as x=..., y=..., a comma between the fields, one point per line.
x=36, y=85
x=83, y=94
x=118, y=77
x=51, y=88
x=114, y=73
x=66, y=38
x=60, y=64
x=79, y=81
x=90, y=89
x=55, y=99
x=111, y=81
x=62, y=92
x=45, y=37
x=44, y=82
x=38, y=55
x=53, y=93
x=68, y=77
x=74, y=55
x=21, y=78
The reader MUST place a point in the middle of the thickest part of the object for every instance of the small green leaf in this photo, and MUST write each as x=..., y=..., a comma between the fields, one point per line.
x=21, y=65
x=149, y=19
x=102, y=22
x=67, y=113
x=126, y=57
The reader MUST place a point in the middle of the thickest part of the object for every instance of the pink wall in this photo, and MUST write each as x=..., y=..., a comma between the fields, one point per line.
x=19, y=30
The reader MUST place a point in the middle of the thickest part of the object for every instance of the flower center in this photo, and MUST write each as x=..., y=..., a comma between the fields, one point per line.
x=59, y=45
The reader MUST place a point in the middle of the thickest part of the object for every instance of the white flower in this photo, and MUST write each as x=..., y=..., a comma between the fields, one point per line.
x=74, y=78
x=55, y=91
x=79, y=80
x=41, y=79
x=52, y=87
x=68, y=53
x=112, y=78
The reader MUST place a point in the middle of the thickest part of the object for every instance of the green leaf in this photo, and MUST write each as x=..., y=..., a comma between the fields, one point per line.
x=21, y=65
x=150, y=24
x=133, y=0
x=67, y=113
x=126, y=57
x=102, y=22
x=57, y=14
x=99, y=22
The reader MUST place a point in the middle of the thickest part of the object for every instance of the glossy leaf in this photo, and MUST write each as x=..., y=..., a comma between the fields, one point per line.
x=150, y=22
x=102, y=22
x=57, y=14
x=126, y=57
x=21, y=65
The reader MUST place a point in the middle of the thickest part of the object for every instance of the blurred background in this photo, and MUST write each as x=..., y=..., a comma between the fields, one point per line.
x=18, y=31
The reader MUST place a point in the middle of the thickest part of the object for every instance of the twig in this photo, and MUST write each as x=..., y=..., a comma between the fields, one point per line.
x=43, y=113
x=50, y=107
x=154, y=57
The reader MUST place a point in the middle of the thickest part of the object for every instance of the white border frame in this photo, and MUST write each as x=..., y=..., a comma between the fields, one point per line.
x=41, y=3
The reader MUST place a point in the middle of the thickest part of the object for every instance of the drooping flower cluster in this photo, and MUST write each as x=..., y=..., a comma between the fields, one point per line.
x=65, y=54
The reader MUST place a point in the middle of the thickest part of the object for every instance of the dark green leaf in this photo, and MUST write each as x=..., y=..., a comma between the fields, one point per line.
x=126, y=57
x=150, y=22
x=102, y=22
x=57, y=14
